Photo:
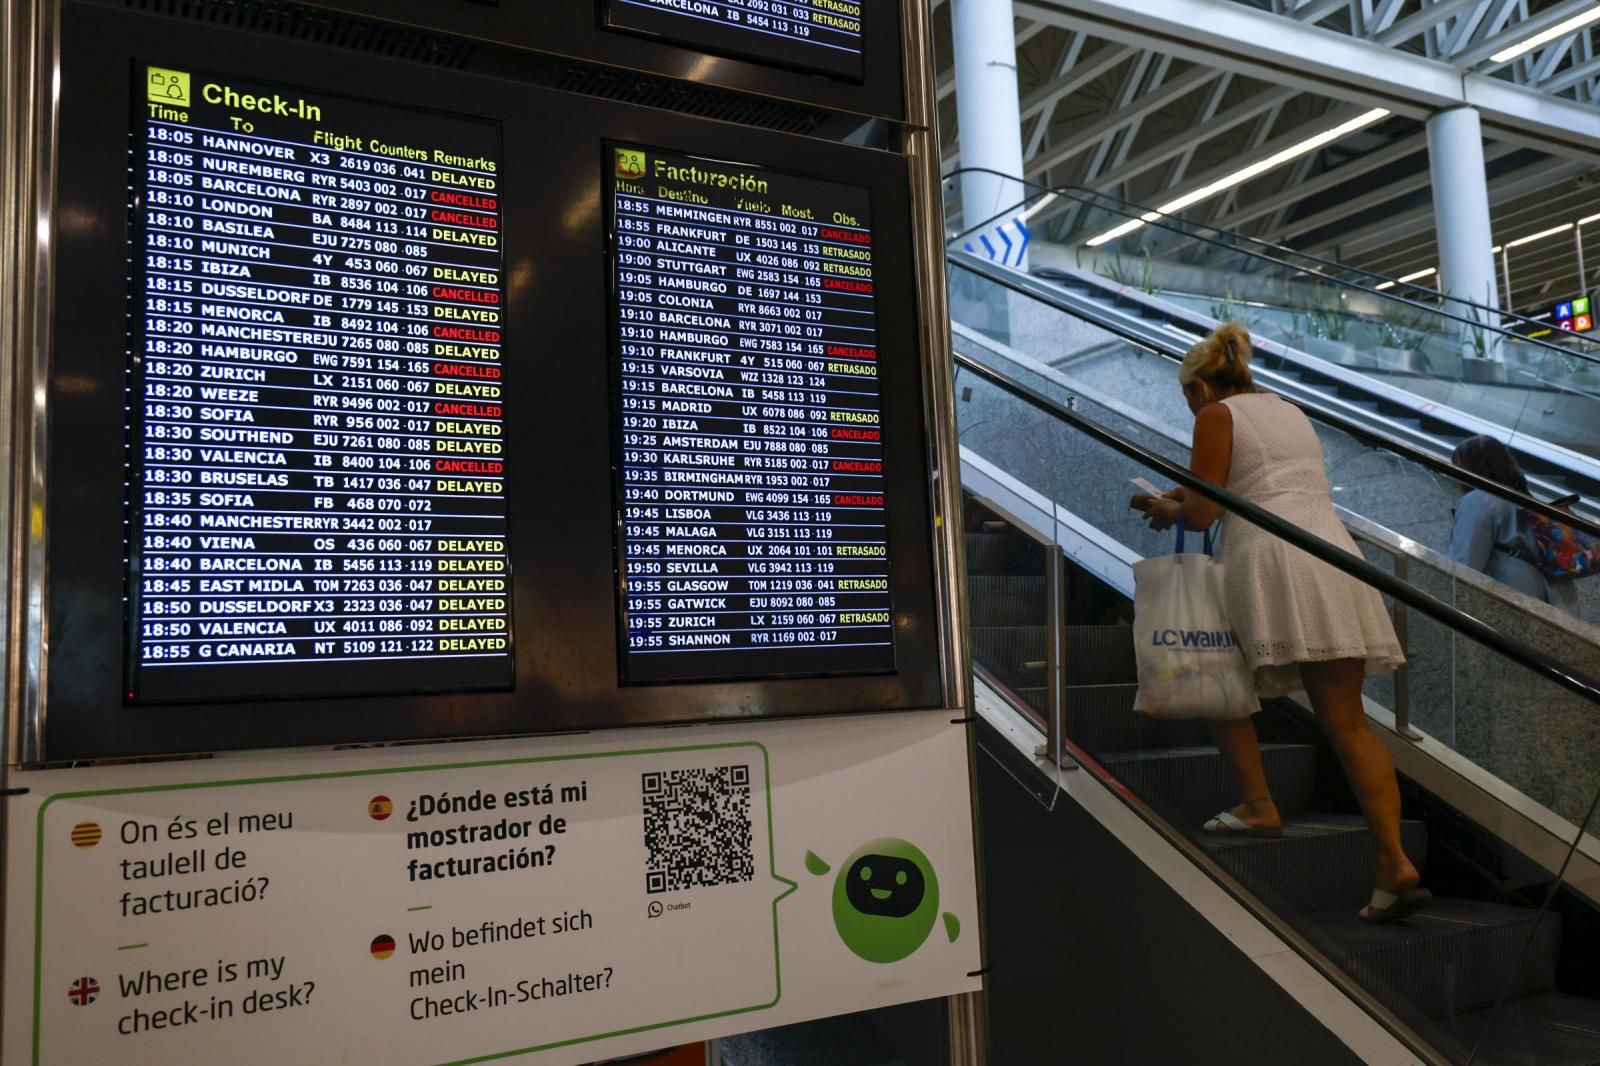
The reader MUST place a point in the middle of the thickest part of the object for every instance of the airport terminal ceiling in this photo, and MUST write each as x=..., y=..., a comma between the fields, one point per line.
x=1103, y=107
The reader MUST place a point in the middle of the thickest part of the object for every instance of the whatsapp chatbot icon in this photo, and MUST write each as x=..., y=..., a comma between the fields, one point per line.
x=885, y=899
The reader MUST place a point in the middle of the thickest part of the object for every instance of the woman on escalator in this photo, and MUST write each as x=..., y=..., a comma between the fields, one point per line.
x=1494, y=535
x=1303, y=625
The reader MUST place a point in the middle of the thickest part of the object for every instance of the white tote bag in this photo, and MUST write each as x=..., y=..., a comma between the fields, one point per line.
x=1190, y=665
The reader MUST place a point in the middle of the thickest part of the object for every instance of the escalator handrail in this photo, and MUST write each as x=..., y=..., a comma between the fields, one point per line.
x=1518, y=651
x=1175, y=224
x=1027, y=286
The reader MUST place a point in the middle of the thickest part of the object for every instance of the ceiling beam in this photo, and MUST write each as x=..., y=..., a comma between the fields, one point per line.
x=1284, y=52
x=1536, y=175
x=1519, y=30
x=1566, y=79
x=1244, y=159
x=1483, y=21
x=1314, y=11
x=945, y=83
x=1327, y=180
x=1365, y=202
x=1124, y=114
x=1197, y=135
x=1422, y=21
x=1041, y=125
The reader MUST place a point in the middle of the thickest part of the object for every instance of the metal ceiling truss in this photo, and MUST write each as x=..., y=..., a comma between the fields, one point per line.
x=1150, y=99
x=1399, y=54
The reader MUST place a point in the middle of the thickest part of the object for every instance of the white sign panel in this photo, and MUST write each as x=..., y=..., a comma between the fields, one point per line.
x=552, y=901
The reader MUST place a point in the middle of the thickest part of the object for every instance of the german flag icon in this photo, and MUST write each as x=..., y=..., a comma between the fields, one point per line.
x=382, y=946
x=86, y=834
x=380, y=807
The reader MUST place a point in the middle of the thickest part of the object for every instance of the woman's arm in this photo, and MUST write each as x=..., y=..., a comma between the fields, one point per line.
x=1210, y=460
x=1473, y=535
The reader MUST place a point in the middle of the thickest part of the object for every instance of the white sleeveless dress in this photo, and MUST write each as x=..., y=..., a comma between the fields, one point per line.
x=1286, y=606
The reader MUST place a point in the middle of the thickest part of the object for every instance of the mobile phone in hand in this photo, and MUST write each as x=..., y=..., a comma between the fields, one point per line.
x=1146, y=486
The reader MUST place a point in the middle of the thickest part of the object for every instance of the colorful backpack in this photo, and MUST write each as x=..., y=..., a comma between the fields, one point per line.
x=1563, y=552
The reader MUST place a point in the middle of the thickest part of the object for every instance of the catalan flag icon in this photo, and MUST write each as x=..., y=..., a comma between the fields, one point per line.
x=380, y=807
x=86, y=834
x=382, y=946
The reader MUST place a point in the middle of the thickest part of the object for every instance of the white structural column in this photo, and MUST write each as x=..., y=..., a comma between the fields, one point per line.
x=1461, y=207
x=988, y=116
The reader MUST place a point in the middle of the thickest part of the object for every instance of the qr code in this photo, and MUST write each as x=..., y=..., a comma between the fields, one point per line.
x=697, y=828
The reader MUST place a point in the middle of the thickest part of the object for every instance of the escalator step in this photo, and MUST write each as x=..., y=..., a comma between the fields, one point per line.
x=1449, y=960
x=1324, y=861
x=1098, y=655
x=1190, y=784
x=1037, y=697
x=1101, y=719
x=996, y=600
x=988, y=553
x=1547, y=1030
x=1003, y=651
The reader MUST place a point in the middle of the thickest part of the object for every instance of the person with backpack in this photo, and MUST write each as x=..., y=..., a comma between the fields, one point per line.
x=1498, y=538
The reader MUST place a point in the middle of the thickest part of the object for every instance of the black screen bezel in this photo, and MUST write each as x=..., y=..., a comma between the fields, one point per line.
x=576, y=29
x=563, y=579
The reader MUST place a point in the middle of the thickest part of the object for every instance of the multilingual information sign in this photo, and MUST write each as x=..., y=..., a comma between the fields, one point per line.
x=317, y=499
x=753, y=538
x=822, y=35
x=551, y=902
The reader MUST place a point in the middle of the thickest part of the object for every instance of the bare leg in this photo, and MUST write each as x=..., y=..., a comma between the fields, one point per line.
x=1335, y=691
x=1236, y=738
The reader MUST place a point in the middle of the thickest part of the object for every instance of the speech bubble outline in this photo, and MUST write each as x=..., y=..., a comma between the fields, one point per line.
x=194, y=786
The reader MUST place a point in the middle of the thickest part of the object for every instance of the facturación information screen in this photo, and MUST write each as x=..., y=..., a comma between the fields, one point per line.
x=753, y=533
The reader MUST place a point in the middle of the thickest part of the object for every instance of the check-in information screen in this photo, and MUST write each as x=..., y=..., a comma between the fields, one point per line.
x=316, y=412
x=753, y=537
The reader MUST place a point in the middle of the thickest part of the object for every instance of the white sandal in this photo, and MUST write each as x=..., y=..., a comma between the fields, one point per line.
x=1389, y=907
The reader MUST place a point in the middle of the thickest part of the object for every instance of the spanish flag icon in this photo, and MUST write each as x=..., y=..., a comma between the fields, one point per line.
x=380, y=807
x=382, y=946
x=86, y=834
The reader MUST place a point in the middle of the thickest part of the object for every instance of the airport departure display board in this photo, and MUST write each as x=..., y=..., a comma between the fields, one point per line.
x=752, y=531
x=317, y=494
x=820, y=35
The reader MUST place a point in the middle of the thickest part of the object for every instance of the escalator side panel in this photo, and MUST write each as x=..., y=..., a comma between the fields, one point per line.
x=1095, y=959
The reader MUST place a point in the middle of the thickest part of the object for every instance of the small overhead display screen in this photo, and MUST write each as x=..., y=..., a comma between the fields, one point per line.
x=752, y=533
x=819, y=35
x=316, y=419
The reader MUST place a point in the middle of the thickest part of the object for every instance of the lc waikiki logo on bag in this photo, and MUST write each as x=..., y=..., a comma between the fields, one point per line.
x=1190, y=664
x=1194, y=638
x=1563, y=551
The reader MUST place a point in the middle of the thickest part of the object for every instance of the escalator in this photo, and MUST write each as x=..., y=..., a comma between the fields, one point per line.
x=1492, y=722
x=1424, y=367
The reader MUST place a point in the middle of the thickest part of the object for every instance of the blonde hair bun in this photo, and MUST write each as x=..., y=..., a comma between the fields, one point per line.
x=1222, y=360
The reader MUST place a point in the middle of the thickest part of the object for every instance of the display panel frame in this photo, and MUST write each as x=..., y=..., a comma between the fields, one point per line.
x=615, y=16
x=576, y=29
x=562, y=567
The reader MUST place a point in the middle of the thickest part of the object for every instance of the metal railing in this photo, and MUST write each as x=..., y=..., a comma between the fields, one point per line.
x=1518, y=651
x=1482, y=316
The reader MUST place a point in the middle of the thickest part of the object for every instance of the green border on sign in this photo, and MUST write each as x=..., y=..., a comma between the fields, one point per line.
x=766, y=760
